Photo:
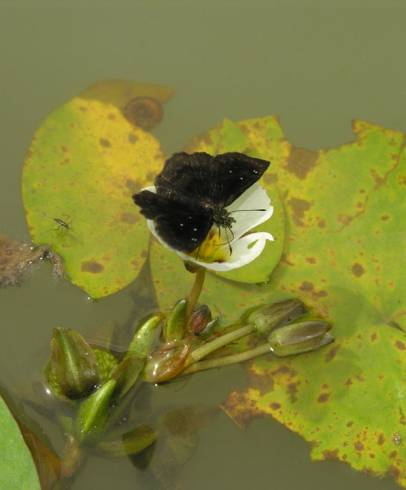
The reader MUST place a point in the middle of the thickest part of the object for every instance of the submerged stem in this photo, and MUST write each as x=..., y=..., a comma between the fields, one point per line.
x=195, y=292
x=217, y=343
x=226, y=360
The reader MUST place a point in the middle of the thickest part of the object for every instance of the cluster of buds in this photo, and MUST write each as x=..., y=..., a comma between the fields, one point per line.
x=97, y=385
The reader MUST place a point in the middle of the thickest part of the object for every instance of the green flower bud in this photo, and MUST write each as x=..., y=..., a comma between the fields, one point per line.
x=268, y=317
x=175, y=325
x=299, y=337
x=145, y=337
x=72, y=369
x=130, y=443
x=94, y=411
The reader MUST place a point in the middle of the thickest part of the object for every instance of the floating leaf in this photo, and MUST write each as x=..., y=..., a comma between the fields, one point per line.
x=230, y=136
x=17, y=469
x=346, y=237
x=84, y=164
x=345, y=211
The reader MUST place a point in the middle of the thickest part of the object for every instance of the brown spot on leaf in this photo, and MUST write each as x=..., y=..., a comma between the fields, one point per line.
x=330, y=355
x=323, y=397
x=311, y=260
x=129, y=218
x=132, y=138
x=377, y=178
x=299, y=208
x=275, y=406
x=395, y=472
x=344, y=219
x=381, y=439
x=400, y=345
x=92, y=266
x=301, y=162
x=374, y=336
x=357, y=269
x=385, y=217
x=330, y=454
x=292, y=389
x=350, y=423
x=240, y=409
x=306, y=286
x=321, y=223
x=132, y=185
x=270, y=178
x=104, y=142
x=358, y=446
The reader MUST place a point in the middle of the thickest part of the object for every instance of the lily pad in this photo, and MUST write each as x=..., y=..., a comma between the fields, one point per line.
x=230, y=136
x=84, y=164
x=346, y=235
x=346, y=238
x=17, y=468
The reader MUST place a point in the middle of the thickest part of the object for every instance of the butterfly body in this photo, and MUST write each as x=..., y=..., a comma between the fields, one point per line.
x=192, y=193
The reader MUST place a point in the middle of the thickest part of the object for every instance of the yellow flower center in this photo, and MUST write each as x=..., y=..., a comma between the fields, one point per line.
x=214, y=248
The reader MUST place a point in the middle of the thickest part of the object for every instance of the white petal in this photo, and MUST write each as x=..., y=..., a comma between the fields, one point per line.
x=244, y=251
x=244, y=209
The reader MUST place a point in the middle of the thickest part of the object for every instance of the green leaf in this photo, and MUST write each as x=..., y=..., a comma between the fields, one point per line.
x=346, y=237
x=84, y=164
x=230, y=136
x=17, y=469
x=346, y=231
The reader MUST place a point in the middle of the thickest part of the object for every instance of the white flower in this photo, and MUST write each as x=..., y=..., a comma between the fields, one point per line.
x=224, y=250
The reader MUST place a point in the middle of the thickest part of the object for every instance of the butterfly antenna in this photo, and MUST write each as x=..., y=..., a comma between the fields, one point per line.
x=246, y=210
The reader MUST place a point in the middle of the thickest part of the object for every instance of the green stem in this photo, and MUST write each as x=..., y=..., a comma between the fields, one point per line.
x=226, y=360
x=217, y=343
x=195, y=292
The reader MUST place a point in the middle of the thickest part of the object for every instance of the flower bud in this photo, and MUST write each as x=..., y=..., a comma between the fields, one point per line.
x=72, y=370
x=94, y=411
x=268, y=317
x=174, y=327
x=199, y=319
x=299, y=337
x=145, y=337
x=166, y=363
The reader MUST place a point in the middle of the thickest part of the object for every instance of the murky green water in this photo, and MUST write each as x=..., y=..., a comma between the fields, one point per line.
x=316, y=67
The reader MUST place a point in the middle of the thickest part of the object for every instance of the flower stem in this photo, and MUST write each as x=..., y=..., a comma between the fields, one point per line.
x=195, y=292
x=217, y=343
x=226, y=360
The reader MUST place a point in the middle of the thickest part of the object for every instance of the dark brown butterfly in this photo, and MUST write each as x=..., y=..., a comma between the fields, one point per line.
x=192, y=193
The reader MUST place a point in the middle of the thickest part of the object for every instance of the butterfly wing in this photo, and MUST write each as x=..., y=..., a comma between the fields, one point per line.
x=235, y=173
x=180, y=222
x=189, y=175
